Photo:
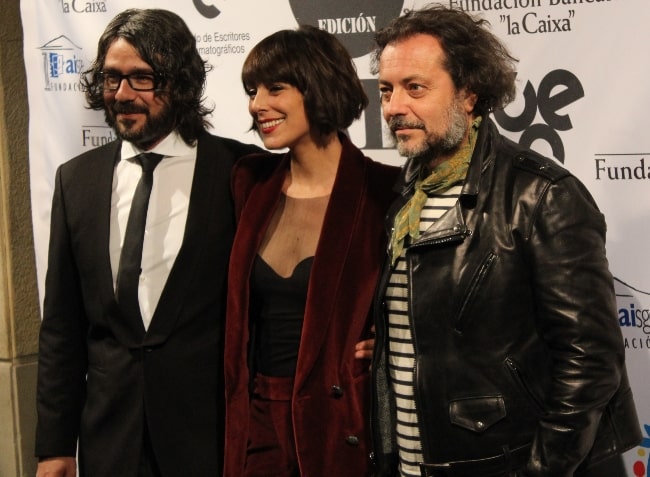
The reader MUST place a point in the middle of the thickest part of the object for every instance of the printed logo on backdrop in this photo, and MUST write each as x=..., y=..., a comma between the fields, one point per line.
x=641, y=467
x=634, y=318
x=218, y=42
x=95, y=136
x=556, y=91
x=83, y=6
x=620, y=167
x=353, y=23
x=538, y=17
x=62, y=64
x=633, y=315
x=206, y=9
x=523, y=17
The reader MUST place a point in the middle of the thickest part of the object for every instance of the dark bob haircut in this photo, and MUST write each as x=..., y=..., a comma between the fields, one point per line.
x=475, y=58
x=163, y=40
x=319, y=66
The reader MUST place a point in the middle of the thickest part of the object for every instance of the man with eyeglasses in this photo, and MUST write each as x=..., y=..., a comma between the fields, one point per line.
x=130, y=363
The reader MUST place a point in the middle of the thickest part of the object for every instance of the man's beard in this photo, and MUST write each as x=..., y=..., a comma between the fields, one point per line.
x=154, y=128
x=434, y=145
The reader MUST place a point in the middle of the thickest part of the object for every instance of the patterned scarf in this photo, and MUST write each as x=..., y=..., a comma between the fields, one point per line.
x=442, y=178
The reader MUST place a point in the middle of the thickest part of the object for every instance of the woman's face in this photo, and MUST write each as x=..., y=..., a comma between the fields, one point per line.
x=278, y=110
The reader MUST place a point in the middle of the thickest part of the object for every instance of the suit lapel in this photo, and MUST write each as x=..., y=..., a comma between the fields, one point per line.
x=129, y=331
x=102, y=192
x=258, y=211
x=210, y=192
x=331, y=255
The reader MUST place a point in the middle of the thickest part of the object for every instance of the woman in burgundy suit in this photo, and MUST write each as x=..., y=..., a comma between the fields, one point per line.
x=306, y=258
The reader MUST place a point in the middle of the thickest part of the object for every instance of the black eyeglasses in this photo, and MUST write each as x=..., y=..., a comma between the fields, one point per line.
x=137, y=81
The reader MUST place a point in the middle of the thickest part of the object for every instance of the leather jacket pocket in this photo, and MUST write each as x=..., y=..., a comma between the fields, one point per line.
x=471, y=292
x=523, y=383
x=477, y=414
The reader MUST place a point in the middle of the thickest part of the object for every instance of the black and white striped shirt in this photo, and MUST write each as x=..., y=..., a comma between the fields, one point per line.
x=401, y=360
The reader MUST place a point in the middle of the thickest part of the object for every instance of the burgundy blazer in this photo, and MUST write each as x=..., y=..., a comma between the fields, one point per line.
x=331, y=392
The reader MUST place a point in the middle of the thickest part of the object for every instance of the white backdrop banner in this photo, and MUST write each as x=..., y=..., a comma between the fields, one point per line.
x=582, y=99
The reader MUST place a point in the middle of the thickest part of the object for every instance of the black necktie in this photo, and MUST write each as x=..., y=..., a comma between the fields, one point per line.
x=128, y=273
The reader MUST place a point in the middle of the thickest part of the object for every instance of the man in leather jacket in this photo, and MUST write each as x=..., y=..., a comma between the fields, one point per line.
x=498, y=346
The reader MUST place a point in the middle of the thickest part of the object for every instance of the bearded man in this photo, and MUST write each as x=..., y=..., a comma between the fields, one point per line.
x=130, y=360
x=498, y=346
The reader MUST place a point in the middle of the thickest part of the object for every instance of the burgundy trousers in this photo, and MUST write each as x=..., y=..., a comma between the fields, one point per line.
x=271, y=444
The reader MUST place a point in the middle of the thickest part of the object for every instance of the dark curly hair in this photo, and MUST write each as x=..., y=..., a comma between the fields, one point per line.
x=319, y=66
x=475, y=58
x=163, y=40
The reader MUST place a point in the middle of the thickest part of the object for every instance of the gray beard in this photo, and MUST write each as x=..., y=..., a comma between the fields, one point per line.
x=437, y=145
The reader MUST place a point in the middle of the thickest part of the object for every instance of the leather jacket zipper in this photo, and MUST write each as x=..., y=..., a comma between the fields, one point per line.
x=519, y=378
x=478, y=279
x=457, y=234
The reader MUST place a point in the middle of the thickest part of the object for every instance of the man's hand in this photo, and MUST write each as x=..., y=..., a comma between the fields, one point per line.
x=363, y=349
x=57, y=467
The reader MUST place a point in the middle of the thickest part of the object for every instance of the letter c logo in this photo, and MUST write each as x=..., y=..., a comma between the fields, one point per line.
x=208, y=11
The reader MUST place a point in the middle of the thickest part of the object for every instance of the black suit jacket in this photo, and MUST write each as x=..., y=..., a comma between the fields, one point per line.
x=100, y=375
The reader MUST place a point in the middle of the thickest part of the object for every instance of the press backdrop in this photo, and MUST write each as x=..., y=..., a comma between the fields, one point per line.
x=582, y=99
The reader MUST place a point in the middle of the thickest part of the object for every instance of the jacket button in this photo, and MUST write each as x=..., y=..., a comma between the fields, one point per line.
x=336, y=391
x=352, y=440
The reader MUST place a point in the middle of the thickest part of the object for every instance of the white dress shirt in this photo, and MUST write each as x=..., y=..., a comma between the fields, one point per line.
x=166, y=215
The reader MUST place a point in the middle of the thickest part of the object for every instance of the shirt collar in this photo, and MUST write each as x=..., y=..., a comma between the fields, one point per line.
x=172, y=145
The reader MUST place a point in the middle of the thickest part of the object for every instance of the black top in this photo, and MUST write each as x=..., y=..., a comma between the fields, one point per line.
x=277, y=311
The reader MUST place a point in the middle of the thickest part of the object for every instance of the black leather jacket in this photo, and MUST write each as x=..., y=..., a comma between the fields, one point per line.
x=513, y=314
